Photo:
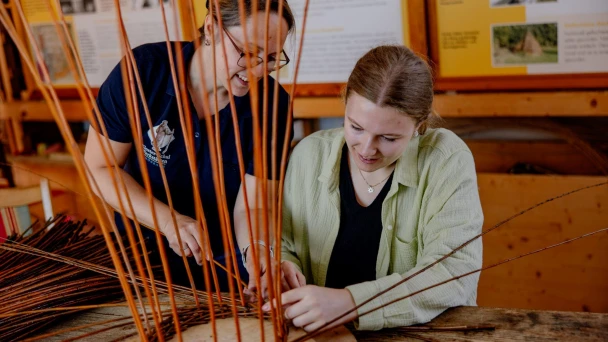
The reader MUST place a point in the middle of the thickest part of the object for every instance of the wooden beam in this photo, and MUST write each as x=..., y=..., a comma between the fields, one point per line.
x=318, y=107
x=74, y=110
x=541, y=104
x=579, y=103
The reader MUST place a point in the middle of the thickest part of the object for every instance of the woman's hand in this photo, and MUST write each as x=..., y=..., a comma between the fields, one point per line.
x=291, y=277
x=189, y=233
x=252, y=287
x=311, y=307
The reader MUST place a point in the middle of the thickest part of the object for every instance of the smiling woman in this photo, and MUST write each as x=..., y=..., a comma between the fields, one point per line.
x=221, y=68
x=377, y=201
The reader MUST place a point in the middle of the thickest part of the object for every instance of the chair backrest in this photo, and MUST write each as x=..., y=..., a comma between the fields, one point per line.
x=16, y=197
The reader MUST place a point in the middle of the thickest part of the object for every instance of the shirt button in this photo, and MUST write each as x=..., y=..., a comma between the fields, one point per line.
x=389, y=227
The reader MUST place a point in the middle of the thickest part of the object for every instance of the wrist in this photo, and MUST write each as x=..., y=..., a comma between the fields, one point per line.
x=166, y=227
x=163, y=227
x=261, y=243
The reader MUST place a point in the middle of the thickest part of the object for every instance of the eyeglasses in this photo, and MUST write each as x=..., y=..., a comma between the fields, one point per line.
x=272, y=62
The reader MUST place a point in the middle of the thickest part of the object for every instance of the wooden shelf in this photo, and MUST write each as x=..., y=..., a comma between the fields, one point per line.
x=504, y=104
x=38, y=160
x=525, y=104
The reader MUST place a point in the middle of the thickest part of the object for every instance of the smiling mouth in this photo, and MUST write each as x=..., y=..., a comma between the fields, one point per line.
x=243, y=79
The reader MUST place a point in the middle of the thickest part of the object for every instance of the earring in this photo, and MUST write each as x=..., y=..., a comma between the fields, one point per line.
x=415, y=134
x=207, y=42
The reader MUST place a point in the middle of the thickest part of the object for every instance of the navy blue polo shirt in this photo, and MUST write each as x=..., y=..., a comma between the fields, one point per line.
x=160, y=96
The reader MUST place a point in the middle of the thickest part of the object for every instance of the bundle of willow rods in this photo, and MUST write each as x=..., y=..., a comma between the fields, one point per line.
x=30, y=283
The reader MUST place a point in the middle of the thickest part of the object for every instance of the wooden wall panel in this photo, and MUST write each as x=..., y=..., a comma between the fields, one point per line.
x=572, y=277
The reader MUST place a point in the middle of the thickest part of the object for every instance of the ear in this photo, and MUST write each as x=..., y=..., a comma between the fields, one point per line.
x=209, y=22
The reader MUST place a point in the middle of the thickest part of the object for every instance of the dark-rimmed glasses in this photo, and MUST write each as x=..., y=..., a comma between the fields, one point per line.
x=273, y=63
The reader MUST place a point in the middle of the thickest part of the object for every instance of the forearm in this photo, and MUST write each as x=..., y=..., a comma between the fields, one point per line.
x=242, y=229
x=424, y=304
x=137, y=195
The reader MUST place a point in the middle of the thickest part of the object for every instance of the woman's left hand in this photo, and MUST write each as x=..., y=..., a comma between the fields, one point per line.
x=263, y=267
x=311, y=307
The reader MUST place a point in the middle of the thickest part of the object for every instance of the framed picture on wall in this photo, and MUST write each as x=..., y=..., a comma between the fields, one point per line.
x=519, y=44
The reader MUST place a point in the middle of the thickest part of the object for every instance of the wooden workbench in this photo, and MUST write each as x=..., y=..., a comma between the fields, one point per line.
x=510, y=325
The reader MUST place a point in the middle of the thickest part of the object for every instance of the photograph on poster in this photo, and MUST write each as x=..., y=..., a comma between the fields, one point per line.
x=498, y=3
x=524, y=44
x=77, y=6
x=54, y=56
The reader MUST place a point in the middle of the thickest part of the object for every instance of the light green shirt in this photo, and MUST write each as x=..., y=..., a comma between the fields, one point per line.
x=432, y=207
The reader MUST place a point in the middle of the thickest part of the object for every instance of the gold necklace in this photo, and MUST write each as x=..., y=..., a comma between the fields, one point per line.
x=370, y=188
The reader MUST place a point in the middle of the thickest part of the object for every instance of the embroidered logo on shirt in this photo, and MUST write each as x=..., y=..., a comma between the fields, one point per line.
x=163, y=136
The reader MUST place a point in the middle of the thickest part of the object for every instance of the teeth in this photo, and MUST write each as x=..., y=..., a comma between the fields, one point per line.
x=245, y=79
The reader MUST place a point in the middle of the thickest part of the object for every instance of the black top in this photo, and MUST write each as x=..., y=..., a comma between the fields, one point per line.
x=153, y=66
x=353, y=259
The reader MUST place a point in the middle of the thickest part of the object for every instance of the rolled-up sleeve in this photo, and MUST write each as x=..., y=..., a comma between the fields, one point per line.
x=288, y=247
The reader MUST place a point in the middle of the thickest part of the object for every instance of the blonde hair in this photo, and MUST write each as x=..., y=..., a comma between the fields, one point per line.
x=394, y=76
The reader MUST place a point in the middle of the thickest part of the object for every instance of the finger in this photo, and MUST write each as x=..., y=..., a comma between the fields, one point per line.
x=180, y=250
x=301, y=279
x=314, y=326
x=174, y=246
x=290, y=297
x=284, y=285
x=301, y=315
x=251, y=286
x=193, y=249
x=188, y=239
x=293, y=296
x=252, y=295
x=292, y=279
x=264, y=287
x=195, y=231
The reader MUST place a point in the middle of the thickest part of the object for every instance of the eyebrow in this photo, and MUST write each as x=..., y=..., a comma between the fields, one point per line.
x=395, y=135
x=261, y=49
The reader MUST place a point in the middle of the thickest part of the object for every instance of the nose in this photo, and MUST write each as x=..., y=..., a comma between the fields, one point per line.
x=258, y=70
x=369, y=147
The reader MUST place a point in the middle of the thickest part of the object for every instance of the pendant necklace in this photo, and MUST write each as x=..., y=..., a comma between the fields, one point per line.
x=370, y=188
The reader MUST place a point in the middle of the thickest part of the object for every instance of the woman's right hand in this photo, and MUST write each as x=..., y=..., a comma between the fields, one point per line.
x=189, y=233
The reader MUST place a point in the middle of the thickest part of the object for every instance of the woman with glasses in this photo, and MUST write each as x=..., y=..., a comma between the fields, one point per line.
x=206, y=74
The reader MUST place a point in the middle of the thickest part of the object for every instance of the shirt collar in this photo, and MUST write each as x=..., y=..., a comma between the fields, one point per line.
x=187, y=54
x=406, y=169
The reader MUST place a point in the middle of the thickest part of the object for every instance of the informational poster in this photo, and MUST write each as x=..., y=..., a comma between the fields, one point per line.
x=93, y=26
x=338, y=33
x=521, y=37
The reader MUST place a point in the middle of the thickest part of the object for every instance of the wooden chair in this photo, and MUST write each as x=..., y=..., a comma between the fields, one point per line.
x=16, y=197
